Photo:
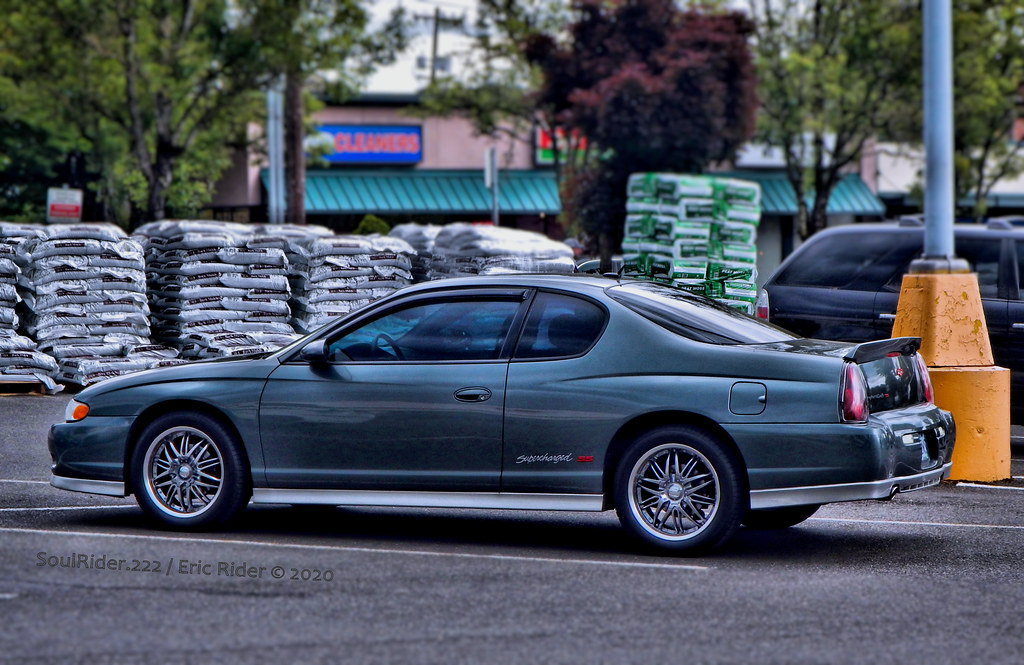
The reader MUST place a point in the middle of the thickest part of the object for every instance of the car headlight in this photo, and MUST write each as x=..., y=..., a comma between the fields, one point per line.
x=75, y=411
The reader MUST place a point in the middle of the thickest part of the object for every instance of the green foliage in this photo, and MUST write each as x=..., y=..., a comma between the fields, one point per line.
x=832, y=75
x=371, y=224
x=155, y=93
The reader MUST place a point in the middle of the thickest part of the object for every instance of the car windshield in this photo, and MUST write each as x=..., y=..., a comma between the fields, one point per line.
x=695, y=317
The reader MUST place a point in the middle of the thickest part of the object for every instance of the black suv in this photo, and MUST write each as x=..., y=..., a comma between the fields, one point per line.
x=844, y=284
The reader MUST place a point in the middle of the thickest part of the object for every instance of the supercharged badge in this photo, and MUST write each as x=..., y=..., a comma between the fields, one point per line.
x=553, y=459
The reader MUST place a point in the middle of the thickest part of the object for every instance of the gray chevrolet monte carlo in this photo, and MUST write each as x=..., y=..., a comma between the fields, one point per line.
x=523, y=392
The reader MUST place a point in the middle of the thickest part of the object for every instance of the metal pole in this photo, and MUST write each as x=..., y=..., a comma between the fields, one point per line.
x=938, y=129
x=275, y=155
x=493, y=156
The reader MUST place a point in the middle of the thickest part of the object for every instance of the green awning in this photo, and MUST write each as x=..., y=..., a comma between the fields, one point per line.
x=850, y=196
x=521, y=192
x=424, y=191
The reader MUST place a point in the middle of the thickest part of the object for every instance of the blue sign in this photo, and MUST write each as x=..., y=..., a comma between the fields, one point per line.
x=373, y=144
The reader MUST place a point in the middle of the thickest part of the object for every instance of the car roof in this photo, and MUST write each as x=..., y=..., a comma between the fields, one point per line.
x=996, y=226
x=580, y=283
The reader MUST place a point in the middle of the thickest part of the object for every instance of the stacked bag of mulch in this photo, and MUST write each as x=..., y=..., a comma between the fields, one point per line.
x=335, y=275
x=467, y=249
x=214, y=290
x=20, y=357
x=421, y=237
x=84, y=292
x=696, y=232
x=13, y=260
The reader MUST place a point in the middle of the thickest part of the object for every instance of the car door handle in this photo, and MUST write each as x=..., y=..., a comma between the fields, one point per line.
x=1017, y=326
x=887, y=317
x=475, y=394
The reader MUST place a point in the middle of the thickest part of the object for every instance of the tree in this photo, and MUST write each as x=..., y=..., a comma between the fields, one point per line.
x=833, y=74
x=341, y=56
x=652, y=88
x=610, y=78
x=161, y=90
x=988, y=76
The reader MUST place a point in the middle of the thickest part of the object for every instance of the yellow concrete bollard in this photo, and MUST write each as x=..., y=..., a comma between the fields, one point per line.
x=945, y=311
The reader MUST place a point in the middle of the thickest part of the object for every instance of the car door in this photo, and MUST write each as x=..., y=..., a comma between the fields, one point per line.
x=551, y=434
x=411, y=398
x=986, y=255
x=1011, y=349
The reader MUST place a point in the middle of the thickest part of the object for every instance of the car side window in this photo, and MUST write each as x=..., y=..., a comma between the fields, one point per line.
x=983, y=255
x=559, y=326
x=435, y=331
x=863, y=262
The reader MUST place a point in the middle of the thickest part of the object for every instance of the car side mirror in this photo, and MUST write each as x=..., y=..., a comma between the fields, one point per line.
x=315, y=352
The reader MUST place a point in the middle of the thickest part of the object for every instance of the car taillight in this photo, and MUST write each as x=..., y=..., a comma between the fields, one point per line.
x=926, y=379
x=854, y=404
x=761, y=307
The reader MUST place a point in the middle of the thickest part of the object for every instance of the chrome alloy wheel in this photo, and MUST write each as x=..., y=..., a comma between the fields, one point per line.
x=183, y=472
x=674, y=492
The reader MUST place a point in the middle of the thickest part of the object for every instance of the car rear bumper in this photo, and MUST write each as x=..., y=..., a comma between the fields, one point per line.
x=801, y=464
x=879, y=489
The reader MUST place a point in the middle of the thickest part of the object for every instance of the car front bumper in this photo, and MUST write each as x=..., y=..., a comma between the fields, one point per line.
x=90, y=455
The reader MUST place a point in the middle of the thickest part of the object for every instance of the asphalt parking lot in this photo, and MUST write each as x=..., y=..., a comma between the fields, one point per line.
x=932, y=576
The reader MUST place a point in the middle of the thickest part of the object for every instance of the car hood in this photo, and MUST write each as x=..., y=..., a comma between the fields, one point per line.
x=250, y=367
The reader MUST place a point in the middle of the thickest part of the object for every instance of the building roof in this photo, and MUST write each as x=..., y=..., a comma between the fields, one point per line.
x=520, y=192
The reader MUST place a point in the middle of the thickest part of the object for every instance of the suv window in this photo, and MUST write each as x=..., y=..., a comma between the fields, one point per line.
x=981, y=253
x=863, y=262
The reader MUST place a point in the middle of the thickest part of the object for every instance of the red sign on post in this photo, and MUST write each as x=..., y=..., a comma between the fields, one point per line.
x=63, y=205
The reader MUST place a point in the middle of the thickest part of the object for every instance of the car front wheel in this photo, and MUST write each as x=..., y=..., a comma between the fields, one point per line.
x=188, y=471
x=679, y=489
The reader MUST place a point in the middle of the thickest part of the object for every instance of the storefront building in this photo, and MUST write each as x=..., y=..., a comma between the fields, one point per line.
x=380, y=160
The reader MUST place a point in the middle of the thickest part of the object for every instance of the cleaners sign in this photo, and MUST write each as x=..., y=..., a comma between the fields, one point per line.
x=372, y=144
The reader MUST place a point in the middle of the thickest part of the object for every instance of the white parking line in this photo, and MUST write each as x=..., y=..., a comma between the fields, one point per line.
x=49, y=508
x=991, y=487
x=368, y=550
x=27, y=482
x=954, y=525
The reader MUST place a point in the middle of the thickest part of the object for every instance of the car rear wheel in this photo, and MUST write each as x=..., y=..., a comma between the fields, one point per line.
x=679, y=489
x=778, y=518
x=188, y=471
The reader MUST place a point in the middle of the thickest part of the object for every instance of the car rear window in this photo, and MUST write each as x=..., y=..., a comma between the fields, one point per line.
x=695, y=317
x=862, y=261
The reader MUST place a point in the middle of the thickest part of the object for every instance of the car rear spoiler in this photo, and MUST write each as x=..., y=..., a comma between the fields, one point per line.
x=868, y=351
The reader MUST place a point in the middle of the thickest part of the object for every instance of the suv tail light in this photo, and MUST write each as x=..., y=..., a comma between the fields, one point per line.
x=853, y=405
x=926, y=379
x=761, y=307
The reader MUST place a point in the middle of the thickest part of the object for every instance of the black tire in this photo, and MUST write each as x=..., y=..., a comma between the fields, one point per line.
x=679, y=489
x=778, y=518
x=188, y=471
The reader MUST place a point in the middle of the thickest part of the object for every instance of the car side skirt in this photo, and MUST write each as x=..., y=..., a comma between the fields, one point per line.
x=879, y=489
x=105, y=487
x=494, y=501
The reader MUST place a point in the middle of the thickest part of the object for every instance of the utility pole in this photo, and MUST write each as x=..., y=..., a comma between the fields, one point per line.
x=939, y=300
